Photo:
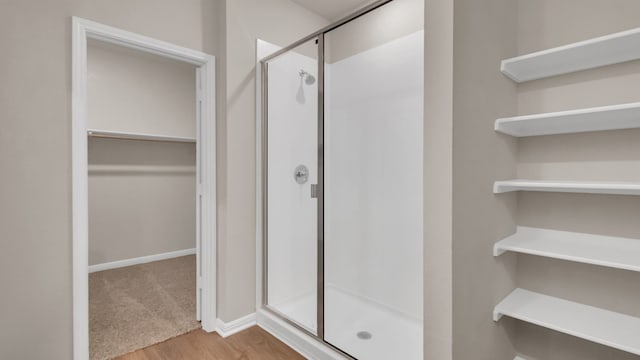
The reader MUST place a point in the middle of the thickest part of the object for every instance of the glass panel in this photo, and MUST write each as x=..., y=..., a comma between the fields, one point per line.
x=373, y=183
x=292, y=249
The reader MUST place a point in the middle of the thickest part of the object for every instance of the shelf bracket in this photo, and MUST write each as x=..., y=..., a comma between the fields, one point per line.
x=498, y=250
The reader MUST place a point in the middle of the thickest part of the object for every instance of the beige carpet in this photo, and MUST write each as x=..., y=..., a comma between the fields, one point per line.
x=137, y=306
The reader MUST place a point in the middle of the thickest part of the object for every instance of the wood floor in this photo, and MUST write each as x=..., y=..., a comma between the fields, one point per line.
x=253, y=343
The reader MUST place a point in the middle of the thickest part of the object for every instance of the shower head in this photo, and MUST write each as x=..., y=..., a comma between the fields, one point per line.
x=309, y=79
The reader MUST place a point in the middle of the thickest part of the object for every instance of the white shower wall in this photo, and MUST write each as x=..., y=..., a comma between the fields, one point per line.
x=292, y=229
x=373, y=175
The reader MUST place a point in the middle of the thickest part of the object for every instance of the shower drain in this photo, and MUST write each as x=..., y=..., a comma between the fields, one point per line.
x=364, y=335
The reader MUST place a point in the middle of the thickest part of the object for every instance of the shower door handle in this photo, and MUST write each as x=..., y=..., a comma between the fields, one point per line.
x=314, y=191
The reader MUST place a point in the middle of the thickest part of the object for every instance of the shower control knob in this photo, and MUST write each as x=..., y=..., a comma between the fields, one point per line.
x=301, y=174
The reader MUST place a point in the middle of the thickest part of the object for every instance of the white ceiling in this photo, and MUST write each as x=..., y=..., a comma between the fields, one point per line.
x=333, y=9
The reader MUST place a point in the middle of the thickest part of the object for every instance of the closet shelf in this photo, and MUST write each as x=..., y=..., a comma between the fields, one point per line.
x=581, y=187
x=606, y=50
x=601, y=326
x=615, y=117
x=140, y=169
x=610, y=251
x=138, y=136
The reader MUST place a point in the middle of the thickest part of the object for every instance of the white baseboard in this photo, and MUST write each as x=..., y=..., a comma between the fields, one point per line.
x=304, y=344
x=235, y=326
x=141, y=260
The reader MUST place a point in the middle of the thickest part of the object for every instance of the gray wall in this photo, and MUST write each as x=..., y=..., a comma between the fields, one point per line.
x=35, y=154
x=613, y=156
x=141, y=199
x=129, y=90
x=464, y=94
x=141, y=193
x=484, y=34
x=438, y=179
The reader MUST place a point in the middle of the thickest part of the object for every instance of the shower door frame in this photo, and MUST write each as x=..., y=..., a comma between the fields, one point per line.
x=262, y=188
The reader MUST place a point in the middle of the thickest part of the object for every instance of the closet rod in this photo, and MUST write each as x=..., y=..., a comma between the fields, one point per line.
x=138, y=136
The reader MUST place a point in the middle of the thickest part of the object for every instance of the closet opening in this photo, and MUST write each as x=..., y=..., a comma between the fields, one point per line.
x=143, y=167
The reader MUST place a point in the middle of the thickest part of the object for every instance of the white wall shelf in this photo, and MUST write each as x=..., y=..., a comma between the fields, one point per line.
x=582, y=187
x=601, y=326
x=615, y=117
x=606, y=50
x=140, y=169
x=610, y=251
x=138, y=136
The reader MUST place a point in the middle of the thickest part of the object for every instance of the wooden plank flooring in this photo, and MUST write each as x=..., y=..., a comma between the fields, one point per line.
x=253, y=343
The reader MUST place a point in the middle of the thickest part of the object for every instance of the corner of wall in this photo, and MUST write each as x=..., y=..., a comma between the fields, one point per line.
x=484, y=34
x=438, y=179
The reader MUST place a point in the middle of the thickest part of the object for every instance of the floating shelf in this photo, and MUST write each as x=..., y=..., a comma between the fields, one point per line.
x=141, y=169
x=615, y=117
x=610, y=251
x=606, y=50
x=601, y=326
x=138, y=136
x=612, y=188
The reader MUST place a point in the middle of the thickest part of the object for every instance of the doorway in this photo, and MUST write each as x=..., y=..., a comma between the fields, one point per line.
x=204, y=164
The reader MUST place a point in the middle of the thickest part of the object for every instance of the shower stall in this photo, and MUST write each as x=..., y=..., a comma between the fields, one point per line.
x=341, y=183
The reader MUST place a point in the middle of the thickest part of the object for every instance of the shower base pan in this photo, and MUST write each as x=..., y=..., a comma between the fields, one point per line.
x=357, y=326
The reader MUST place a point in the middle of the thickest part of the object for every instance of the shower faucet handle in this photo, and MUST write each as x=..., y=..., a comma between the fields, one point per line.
x=301, y=174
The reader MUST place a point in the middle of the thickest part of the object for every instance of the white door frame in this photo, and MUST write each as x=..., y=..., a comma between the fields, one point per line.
x=82, y=30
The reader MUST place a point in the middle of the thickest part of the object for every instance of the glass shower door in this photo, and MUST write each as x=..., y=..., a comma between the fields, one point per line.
x=373, y=119
x=291, y=148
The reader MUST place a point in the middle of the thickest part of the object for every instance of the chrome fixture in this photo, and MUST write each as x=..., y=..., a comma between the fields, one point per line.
x=301, y=174
x=308, y=78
